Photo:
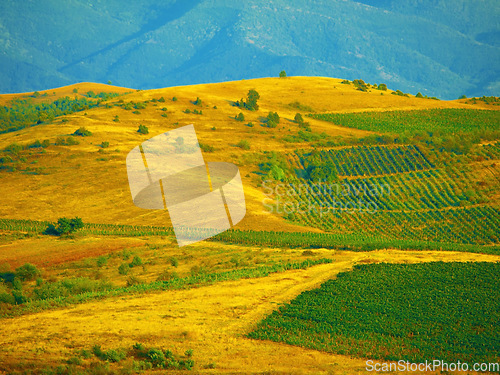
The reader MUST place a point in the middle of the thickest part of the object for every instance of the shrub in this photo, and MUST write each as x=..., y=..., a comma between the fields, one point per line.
x=17, y=284
x=166, y=276
x=74, y=361
x=382, y=86
x=298, y=118
x=7, y=298
x=116, y=118
x=250, y=124
x=123, y=269
x=156, y=357
x=67, y=287
x=13, y=148
x=102, y=260
x=161, y=100
x=19, y=298
x=174, y=99
x=104, y=144
x=244, y=144
x=282, y=74
x=197, y=101
x=360, y=85
x=70, y=141
x=132, y=280
x=206, y=148
x=251, y=102
x=174, y=262
x=143, y=129
x=82, y=132
x=27, y=272
x=419, y=95
x=111, y=355
x=273, y=117
x=240, y=117
x=187, y=110
x=7, y=277
x=137, y=261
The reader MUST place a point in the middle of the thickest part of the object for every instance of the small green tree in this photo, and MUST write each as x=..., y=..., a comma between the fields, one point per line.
x=240, y=117
x=419, y=95
x=273, y=119
x=298, y=118
x=251, y=103
x=64, y=226
x=282, y=74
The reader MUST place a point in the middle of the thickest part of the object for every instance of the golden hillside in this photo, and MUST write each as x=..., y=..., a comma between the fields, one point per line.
x=88, y=181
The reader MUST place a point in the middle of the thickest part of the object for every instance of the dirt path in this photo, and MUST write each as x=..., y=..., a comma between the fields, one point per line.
x=211, y=320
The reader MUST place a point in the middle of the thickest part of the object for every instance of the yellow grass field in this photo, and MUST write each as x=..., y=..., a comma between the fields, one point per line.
x=210, y=320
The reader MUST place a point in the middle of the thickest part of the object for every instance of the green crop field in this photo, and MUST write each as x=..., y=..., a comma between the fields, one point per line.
x=440, y=121
x=394, y=311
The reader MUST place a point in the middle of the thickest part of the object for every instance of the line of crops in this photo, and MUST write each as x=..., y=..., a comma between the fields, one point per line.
x=353, y=241
x=445, y=121
x=418, y=312
x=368, y=161
x=38, y=227
x=431, y=189
x=357, y=241
x=474, y=225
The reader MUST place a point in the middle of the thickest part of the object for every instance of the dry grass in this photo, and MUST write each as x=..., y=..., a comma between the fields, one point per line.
x=211, y=320
x=77, y=182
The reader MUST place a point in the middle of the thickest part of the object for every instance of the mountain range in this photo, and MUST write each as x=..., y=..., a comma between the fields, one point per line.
x=436, y=47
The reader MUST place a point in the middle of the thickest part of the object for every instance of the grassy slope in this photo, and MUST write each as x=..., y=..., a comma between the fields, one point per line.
x=98, y=190
x=211, y=320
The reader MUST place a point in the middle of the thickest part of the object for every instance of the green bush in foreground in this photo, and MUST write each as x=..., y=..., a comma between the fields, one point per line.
x=446, y=311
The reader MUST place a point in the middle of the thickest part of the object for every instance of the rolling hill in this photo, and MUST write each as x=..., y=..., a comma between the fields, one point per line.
x=119, y=295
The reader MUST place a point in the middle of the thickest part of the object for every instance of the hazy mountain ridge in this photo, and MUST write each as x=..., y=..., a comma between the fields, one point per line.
x=427, y=46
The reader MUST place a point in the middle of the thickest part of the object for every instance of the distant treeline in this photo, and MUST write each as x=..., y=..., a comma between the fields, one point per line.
x=23, y=113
